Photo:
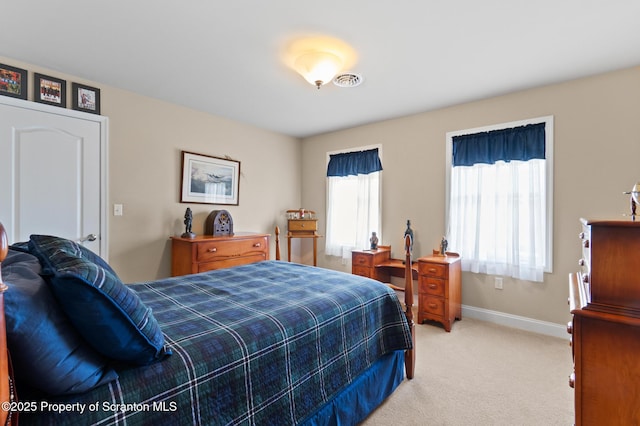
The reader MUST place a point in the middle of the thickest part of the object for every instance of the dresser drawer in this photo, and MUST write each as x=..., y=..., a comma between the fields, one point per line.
x=232, y=261
x=432, y=269
x=298, y=225
x=429, y=285
x=212, y=250
x=363, y=271
x=361, y=259
x=431, y=305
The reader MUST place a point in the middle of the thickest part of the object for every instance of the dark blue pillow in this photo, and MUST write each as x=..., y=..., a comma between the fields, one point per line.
x=48, y=353
x=107, y=313
x=75, y=248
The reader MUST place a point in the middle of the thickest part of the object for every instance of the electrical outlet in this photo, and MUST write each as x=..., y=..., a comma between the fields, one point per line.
x=117, y=209
x=498, y=283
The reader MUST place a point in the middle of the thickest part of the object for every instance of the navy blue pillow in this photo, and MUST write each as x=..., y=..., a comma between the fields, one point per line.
x=48, y=353
x=107, y=313
x=75, y=248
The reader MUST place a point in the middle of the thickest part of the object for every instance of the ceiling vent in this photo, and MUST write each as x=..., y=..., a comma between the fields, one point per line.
x=347, y=80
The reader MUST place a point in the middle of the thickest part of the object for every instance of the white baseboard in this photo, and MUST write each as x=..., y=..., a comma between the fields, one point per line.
x=515, y=321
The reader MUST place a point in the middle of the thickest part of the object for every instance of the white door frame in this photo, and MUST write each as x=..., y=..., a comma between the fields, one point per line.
x=103, y=122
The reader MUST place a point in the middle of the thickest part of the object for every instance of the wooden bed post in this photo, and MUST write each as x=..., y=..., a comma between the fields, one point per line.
x=277, y=243
x=5, y=386
x=410, y=355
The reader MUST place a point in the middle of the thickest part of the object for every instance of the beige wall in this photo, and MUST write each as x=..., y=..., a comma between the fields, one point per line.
x=146, y=137
x=597, y=146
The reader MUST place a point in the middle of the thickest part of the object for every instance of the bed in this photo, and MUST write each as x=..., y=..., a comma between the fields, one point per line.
x=266, y=343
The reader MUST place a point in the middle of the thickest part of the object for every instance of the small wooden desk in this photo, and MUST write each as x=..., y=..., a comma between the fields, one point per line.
x=379, y=265
x=395, y=268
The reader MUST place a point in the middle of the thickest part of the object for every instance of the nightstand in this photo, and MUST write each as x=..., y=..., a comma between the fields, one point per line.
x=439, y=289
x=303, y=228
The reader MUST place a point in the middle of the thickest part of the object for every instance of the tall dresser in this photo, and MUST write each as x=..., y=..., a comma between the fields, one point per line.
x=605, y=329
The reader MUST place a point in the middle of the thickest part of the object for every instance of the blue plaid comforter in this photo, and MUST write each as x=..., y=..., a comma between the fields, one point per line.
x=261, y=344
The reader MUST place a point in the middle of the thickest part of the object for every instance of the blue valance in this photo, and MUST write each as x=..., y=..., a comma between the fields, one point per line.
x=522, y=143
x=354, y=163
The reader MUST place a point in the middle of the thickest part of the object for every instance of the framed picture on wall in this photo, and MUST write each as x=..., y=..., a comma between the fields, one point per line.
x=13, y=82
x=49, y=90
x=209, y=180
x=85, y=98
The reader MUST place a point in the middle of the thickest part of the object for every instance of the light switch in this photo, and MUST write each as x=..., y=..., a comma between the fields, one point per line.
x=117, y=209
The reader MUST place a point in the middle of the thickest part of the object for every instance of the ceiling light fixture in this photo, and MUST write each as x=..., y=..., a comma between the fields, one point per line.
x=318, y=67
x=319, y=58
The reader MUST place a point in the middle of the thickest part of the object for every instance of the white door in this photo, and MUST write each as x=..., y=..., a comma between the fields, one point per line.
x=53, y=173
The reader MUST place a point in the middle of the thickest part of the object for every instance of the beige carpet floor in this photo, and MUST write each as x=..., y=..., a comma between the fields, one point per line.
x=483, y=374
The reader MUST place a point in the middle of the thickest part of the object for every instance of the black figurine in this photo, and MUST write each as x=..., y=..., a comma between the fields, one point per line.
x=409, y=232
x=188, y=220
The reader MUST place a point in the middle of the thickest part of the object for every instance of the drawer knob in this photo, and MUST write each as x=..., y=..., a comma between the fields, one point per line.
x=570, y=327
x=433, y=286
x=432, y=270
x=581, y=235
x=585, y=279
x=581, y=262
x=572, y=380
x=257, y=245
x=432, y=305
x=212, y=250
x=585, y=243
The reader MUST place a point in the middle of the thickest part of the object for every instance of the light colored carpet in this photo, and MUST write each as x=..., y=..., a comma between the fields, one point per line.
x=483, y=374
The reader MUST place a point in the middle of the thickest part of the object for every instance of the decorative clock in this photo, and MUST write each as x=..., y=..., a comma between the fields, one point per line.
x=219, y=222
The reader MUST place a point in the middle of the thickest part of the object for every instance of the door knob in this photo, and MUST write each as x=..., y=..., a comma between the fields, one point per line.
x=90, y=237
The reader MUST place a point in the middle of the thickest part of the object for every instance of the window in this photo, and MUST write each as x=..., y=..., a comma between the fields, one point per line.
x=499, y=209
x=353, y=201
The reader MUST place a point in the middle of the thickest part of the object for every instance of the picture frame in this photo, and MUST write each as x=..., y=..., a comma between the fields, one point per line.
x=209, y=180
x=85, y=98
x=49, y=90
x=13, y=82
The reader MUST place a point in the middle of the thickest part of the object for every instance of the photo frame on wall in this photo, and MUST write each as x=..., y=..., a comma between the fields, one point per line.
x=209, y=180
x=85, y=98
x=13, y=81
x=49, y=90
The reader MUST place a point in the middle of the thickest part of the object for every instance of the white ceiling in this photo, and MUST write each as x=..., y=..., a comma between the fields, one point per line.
x=225, y=57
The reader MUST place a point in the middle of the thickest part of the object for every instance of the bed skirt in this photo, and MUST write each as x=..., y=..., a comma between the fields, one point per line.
x=353, y=404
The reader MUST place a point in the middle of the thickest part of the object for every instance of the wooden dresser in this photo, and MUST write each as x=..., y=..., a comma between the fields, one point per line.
x=605, y=329
x=205, y=252
x=439, y=289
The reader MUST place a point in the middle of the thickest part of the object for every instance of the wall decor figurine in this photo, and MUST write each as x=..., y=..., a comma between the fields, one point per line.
x=188, y=222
